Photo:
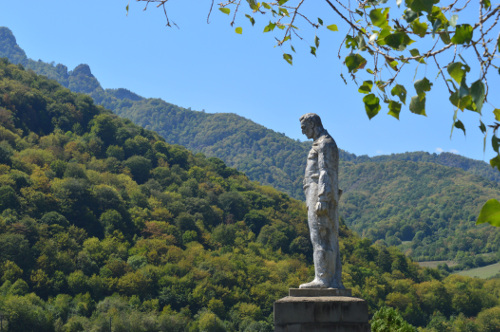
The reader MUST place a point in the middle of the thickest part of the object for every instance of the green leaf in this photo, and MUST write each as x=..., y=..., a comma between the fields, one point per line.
x=419, y=28
x=313, y=50
x=461, y=100
x=366, y=87
x=495, y=162
x=253, y=5
x=482, y=126
x=239, y=30
x=126, y=8
x=316, y=41
x=445, y=37
x=422, y=5
x=458, y=124
x=464, y=90
x=435, y=27
x=410, y=15
x=381, y=36
x=381, y=85
x=355, y=62
x=415, y=52
x=266, y=5
x=283, y=12
x=486, y=4
x=496, y=111
x=490, y=212
x=380, y=17
x=417, y=105
x=288, y=58
x=360, y=41
x=351, y=42
x=332, y=27
x=437, y=15
x=320, y=21
x=495, y=143
x=225, y=10
x=393, y=64
x=422, y=86
x=282, y=2
x=398, y=40
x=252, y=20
x=270, y=27
x=463, y=34
x=400, y=91
x=457, y=71
x=477, y=91
x=394, y=109
x=372, y=105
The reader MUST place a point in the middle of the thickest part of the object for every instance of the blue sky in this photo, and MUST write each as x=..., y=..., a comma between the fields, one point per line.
x=210, y=67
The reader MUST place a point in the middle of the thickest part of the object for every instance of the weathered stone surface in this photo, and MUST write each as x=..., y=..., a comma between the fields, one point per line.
x=325, y=313
x=321, y=188
x=318, y=292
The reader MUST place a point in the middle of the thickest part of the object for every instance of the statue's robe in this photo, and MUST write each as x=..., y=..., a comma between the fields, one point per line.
x=321, y=185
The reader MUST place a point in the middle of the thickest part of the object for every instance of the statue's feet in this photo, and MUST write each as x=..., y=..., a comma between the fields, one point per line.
x=316, y=283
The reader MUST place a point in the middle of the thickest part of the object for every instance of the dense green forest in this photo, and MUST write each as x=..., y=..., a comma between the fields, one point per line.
x=425, y=204
x=103, y=222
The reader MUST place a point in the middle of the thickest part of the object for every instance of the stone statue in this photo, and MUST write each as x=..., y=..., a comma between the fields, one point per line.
x=322, y=198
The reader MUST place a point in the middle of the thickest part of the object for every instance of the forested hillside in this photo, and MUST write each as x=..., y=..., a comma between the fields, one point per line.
x=102, y=221
x=424, y=203
x=427, y=209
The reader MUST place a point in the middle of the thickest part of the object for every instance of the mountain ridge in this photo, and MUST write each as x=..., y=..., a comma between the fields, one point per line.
x=274, y=159
x=110, y=98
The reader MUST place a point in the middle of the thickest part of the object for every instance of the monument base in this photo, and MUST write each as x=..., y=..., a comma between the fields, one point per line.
x=317, y=292
x=317, y=310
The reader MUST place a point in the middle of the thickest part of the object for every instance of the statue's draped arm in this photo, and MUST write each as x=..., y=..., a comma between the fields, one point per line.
x=325, y=190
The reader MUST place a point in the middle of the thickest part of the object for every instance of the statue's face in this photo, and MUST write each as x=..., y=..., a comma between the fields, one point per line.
x=307, y=129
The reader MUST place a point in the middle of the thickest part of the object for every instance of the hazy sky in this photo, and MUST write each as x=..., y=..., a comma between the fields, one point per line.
x=210, y=67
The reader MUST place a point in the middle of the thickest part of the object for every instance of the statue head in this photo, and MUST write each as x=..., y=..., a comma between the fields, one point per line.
x=311, y=125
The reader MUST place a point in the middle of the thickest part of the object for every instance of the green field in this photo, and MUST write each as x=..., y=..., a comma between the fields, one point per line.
x=482, y=272
x=434, y=264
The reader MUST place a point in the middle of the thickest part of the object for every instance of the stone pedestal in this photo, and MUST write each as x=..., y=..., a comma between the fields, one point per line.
x=311, y=310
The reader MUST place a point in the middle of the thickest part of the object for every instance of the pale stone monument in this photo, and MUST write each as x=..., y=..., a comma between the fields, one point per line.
x=321, y=188
x=322, y=304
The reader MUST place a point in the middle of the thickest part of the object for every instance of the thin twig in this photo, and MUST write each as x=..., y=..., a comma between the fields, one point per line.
x=444, y=78
x=308, y=21
x=235, y=12
x=210, y=12
x=348, y=9
x=389, y=81
x=460, y=9
x=494, y=24
x=450, y=6
x=287, y=32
